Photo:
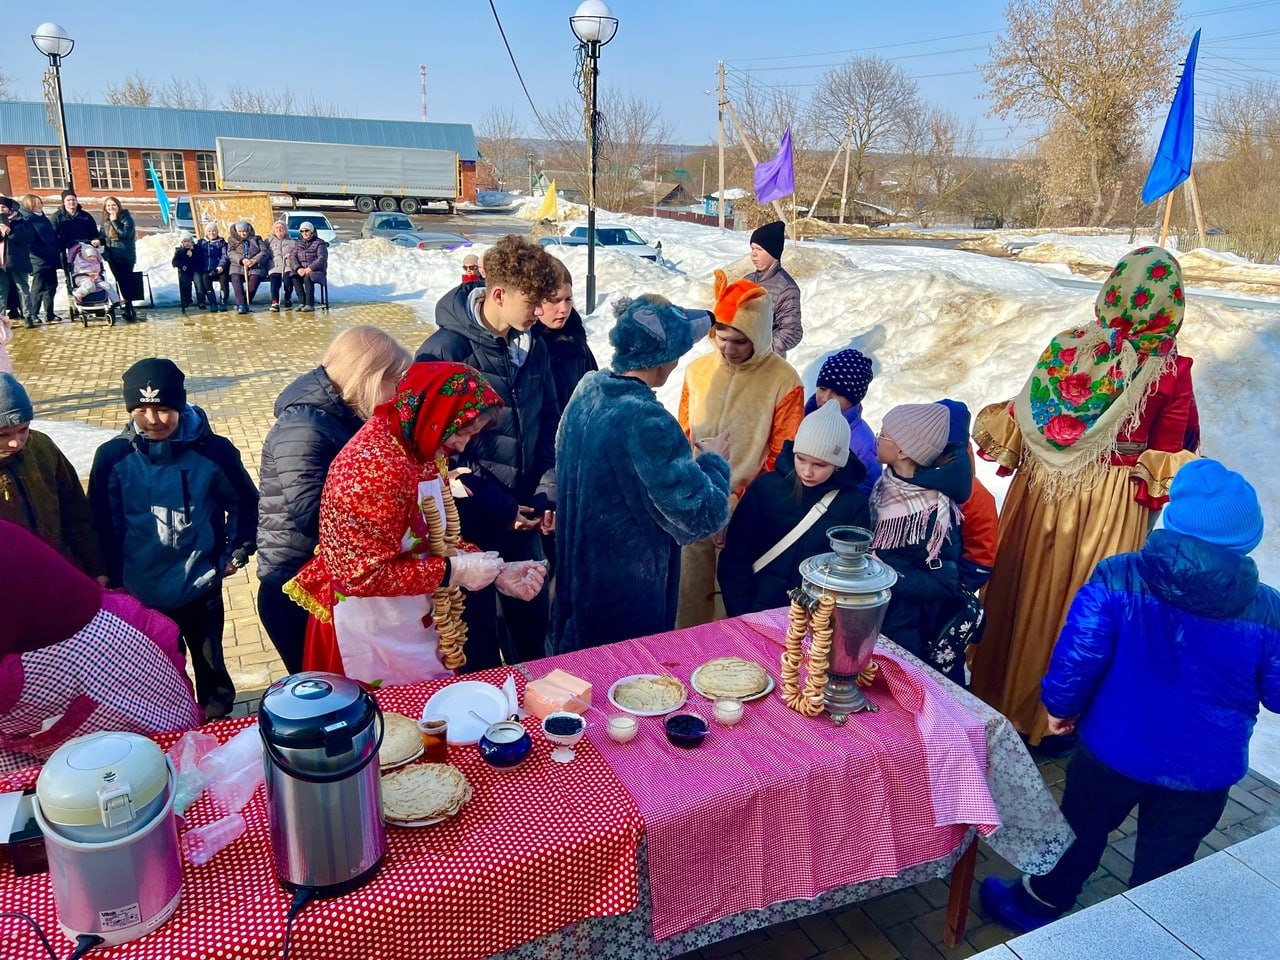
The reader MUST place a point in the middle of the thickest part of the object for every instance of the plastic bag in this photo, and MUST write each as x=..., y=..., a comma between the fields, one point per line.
x=234, y=770
x=186, y=753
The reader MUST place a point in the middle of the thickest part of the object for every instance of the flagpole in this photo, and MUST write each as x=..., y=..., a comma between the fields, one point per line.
x=1168, y=211
x=777, y=207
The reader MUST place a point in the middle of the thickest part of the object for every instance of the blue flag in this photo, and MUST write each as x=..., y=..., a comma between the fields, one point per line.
x=776, y=178
x=161, y=197
x=1172, y=164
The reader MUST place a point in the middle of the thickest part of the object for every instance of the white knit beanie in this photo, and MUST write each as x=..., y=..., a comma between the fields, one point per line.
x=824, y=435
x=919, y=429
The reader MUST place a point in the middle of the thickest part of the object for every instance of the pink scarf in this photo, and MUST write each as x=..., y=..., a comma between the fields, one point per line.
x=902, y=510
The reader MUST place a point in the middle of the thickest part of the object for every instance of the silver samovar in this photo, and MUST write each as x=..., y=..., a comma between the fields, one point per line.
x=859, y=584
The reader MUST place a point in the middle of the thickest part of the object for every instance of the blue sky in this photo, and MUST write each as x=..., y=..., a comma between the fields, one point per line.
x=365, y=57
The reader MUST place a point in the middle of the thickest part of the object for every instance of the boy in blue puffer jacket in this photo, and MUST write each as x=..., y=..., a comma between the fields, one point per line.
x=1163, y=661
x=176, y=513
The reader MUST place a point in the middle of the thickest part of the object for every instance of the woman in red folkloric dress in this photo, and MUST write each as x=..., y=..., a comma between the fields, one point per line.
x=382, y=587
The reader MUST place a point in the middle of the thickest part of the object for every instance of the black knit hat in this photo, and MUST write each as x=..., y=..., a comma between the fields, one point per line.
x=155, y=381
x=771, y=237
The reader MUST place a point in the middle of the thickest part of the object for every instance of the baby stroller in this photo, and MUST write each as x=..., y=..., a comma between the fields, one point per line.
x=88, y=292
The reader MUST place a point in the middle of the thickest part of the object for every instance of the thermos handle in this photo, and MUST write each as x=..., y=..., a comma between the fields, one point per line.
x=337, y=775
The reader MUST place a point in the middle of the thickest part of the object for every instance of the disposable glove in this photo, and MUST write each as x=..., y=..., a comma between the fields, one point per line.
x=522, y=579
x=474, y=571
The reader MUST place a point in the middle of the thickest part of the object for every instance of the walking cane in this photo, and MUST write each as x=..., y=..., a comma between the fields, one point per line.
x=245, y=267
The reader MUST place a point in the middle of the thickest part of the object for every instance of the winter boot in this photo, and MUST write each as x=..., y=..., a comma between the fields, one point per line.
x=1009, y=903
x=275, y=306
x=242, y=309
x=305, y=308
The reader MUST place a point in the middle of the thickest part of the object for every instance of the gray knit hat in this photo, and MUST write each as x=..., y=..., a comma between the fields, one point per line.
x=15, y=404
x=919, y=429
x=824, y=435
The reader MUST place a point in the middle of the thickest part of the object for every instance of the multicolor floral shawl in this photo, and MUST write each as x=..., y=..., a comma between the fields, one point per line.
x=1091, y=383
x=433, y=400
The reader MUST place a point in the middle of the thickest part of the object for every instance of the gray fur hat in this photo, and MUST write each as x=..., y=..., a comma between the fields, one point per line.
x=651, y=330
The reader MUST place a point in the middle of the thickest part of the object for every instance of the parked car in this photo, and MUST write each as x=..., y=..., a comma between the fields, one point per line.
x=400, y=230
x=183, y=218
x=622, y=239
x=293, y=219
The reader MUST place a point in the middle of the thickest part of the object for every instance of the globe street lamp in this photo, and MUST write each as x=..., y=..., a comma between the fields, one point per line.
x=594, y=24
x=52, y=40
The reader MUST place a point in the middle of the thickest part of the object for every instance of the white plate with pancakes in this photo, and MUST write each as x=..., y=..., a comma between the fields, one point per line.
x=648, y=694
x=401, y=742
x=732, y=678
x=423, y=795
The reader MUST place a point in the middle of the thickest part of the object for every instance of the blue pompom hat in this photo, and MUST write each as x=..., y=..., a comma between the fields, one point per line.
x=1209, y=502
x=847, y=373
x=650, y=331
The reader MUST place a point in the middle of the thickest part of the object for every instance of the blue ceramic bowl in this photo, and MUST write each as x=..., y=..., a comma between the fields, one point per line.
x=686, y=730
x=505, y=745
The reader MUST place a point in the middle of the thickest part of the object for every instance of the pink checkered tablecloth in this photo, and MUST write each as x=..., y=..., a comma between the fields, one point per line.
x=785, y=807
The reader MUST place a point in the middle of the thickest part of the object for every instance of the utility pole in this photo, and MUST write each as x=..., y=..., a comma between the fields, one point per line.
x=720, y=103
x=422, y=72
x=848, y=150
x=704, y=176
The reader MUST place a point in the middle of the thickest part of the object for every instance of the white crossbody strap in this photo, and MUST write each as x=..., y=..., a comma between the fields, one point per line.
x=795, y=533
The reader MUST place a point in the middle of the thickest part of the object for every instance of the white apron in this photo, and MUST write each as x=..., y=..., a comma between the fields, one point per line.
x=384, y=638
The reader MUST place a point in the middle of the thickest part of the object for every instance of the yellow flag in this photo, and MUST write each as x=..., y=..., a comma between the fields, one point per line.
x=548, y=209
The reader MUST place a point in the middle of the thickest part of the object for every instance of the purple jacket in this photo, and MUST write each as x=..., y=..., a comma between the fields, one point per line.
x=313, y=253
x=862, y=442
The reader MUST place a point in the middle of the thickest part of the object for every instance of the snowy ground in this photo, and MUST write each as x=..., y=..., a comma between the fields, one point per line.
x=938, y=323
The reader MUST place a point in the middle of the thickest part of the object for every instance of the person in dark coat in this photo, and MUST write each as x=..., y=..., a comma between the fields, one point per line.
x=561, y=329
x=189, y=261
x=315, y=417
x=216, y=285
x=814, y=479
x=72, y=224
x=1163, y=661
x=45, y=260
x=631, y=491
x=118, y=241
x=766, y=256
x=490, y=328
x=15, y=274
x=308, y=262
x=176, y=513
x=248, y=258
x=915, y=530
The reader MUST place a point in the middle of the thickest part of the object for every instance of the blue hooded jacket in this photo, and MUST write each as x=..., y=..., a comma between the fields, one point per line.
x=171, y=514
x=1165, y=656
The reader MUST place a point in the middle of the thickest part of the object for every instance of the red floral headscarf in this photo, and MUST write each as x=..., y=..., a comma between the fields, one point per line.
x=433, y=401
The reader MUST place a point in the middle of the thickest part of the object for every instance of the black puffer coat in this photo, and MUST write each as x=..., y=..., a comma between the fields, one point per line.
x=766, y=513
x=520, y=447
x=571, y=356
x=44, y=242
x=312, y=424
x=79, y=227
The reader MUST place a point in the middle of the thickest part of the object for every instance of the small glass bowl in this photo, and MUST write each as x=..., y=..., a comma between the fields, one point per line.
x=623, y=729
x=727, y=711
x=564, y=742
x=686, y=730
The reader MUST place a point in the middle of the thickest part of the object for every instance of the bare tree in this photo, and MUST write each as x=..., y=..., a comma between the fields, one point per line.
x=1092, y=69
x=633, y=135
x=1240, y=191
x=864, y=103
x=242, y=99
x=135, y=91
x=500, y=138
x=1240, y=121
x=936, y=159
x=185, y=94
x=6, y=86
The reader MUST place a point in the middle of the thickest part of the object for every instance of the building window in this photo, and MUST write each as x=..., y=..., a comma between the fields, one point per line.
x=169, y=168
x=108, y=170
x=206, y=172
x=44, y=169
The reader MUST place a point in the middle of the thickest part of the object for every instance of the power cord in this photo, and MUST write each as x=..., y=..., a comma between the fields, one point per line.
x=84, y=943
x=301, y=897
x=34, y=926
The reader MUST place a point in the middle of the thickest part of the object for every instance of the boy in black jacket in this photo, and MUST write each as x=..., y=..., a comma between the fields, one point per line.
x=176, y=513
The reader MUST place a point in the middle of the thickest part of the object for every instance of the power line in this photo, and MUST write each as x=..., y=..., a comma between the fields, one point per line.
x=516, y=66
x=882, y=46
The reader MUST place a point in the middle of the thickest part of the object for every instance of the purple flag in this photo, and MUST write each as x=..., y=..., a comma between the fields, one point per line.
x=776, y=178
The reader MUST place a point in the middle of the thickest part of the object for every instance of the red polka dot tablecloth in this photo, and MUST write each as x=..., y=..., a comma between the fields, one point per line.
x=535, y=849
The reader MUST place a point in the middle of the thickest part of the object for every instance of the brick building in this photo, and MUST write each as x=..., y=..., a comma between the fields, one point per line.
x=110, y=145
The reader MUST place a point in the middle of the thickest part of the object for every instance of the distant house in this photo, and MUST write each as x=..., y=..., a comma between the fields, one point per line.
x=856, y=211
x=661, y=193
x=110, y=145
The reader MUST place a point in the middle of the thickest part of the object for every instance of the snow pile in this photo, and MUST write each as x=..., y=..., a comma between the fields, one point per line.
x=527, y=209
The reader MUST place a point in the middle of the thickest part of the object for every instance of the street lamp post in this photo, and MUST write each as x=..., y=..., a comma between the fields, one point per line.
x=594, y=24
x=52, y=40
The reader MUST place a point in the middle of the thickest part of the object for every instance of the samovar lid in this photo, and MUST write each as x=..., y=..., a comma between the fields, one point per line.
x=848, y=570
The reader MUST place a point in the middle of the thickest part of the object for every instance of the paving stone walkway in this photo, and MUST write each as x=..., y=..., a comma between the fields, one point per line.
x=236, y=366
